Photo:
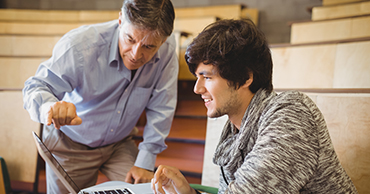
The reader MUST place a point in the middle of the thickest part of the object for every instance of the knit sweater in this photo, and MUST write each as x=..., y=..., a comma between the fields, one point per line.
x=283, y=146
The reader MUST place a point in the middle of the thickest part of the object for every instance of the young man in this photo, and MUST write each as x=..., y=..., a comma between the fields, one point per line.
x=272, y=143
x=92, y=91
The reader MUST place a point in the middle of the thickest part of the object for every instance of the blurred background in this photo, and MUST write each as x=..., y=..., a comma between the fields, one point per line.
x=274, y=15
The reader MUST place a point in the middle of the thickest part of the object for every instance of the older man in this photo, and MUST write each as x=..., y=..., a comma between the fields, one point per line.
x=92, y=91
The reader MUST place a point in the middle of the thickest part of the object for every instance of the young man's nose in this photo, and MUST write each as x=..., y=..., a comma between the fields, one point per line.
x=198, y=87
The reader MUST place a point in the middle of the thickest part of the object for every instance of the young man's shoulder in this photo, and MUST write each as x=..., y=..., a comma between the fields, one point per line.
x=292, y=97
x=291, y=103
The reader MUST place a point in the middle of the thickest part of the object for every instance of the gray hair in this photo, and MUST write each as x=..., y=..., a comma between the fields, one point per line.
x=153, y=15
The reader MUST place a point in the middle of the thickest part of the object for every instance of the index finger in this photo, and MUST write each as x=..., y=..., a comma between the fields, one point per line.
x=50, y=116
x=158, y=179
x=158, y=173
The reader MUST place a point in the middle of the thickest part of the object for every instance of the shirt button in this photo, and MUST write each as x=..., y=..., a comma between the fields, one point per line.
x=126, y=90
x=118, y=112
x=111, y=130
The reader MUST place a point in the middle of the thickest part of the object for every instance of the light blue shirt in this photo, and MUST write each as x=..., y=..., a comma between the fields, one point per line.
x=87, y=70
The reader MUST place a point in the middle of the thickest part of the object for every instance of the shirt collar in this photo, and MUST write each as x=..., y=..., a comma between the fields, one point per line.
x=114, y=56
x=156, y=57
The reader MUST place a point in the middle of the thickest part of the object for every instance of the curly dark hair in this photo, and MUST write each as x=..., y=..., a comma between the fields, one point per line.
x=236, y=48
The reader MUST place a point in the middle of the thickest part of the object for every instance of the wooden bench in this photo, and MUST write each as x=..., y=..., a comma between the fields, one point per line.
x=221, y=11
x=338, y=2
x=343, y=20
x=337, y=65
x=37, y=29
x=329, y=30
x=56, y=16
x=27, y=46
x=341, y=11
x=14, y=71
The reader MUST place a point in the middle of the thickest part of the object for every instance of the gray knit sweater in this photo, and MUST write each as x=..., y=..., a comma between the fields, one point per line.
x=283, y=146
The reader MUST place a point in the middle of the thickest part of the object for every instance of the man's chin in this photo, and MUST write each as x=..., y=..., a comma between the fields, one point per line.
x=214, y=115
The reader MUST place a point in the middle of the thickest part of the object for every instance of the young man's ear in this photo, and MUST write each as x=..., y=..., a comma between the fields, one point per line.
x=249, y=81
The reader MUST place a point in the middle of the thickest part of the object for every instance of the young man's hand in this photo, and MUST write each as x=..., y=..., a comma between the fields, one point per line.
x=169, y=179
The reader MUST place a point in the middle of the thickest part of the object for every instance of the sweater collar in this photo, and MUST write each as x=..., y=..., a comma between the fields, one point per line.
x=230, y=143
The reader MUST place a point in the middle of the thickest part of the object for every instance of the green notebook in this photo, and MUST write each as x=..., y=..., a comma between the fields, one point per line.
x=206, y=189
